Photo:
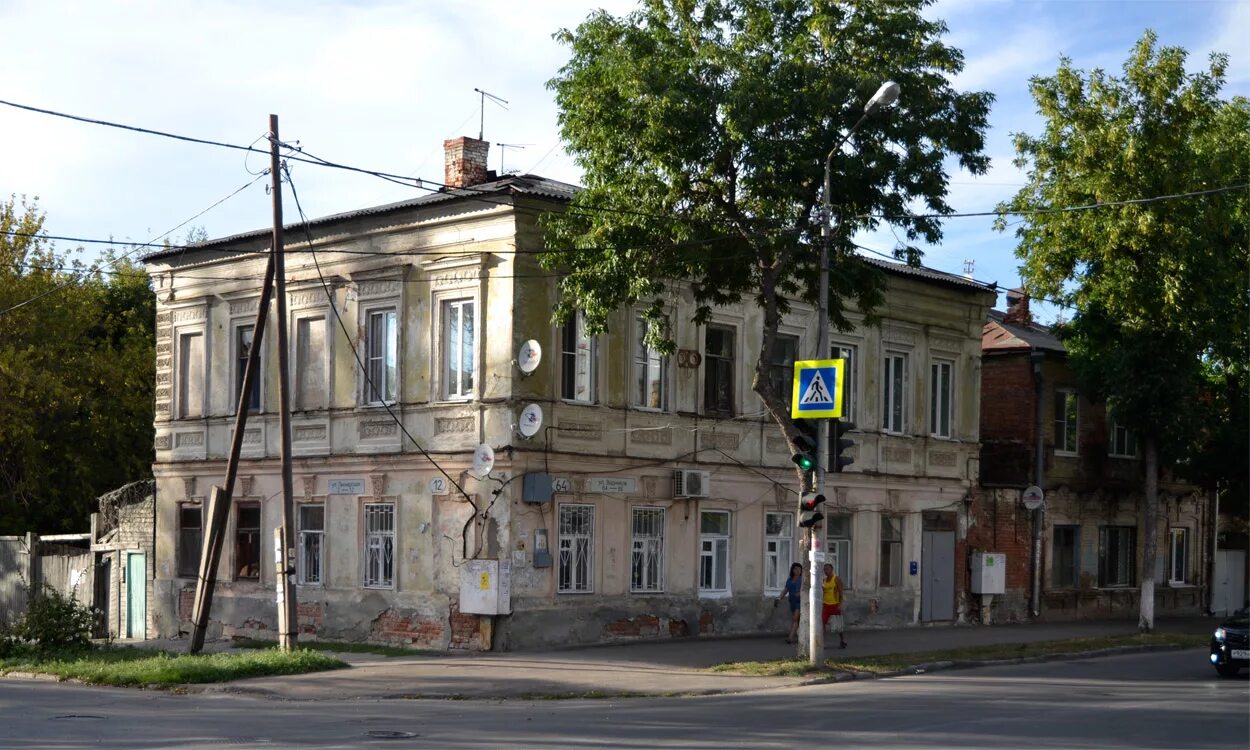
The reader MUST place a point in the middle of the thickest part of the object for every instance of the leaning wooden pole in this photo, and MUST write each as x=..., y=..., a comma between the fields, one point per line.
x=285, y=569
x=219, y=501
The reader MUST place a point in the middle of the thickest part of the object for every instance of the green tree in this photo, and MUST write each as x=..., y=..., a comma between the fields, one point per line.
x=1159, y=287
x=77, y=372
x=702, y=128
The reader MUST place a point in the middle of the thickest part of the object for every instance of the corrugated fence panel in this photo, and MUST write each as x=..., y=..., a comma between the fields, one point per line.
x=14, y=563
x=72, y=575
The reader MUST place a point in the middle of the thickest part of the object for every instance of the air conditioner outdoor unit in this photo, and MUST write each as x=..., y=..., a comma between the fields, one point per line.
x=690, y=483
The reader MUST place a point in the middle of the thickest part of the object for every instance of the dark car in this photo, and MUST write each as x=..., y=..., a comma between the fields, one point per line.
x=1230, y=645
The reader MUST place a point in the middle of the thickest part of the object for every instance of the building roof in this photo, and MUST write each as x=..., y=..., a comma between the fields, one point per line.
x=931, y=274
x=488, y=192
x=999, y=335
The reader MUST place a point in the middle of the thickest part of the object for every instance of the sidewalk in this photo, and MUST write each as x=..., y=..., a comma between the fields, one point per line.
x=649, y=669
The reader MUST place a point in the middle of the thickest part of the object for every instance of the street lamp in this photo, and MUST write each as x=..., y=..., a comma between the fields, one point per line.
x=885, y=96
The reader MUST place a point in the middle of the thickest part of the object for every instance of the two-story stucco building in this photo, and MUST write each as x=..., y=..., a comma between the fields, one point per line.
x=654, y=500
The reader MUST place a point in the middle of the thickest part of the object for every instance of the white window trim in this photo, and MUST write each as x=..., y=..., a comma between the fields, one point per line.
x=784, y=572
x=364, y=543
x=849, y=578
x=1075, y=427
x=444, y=353
x=1112, y=426
x=908, y=380
x=325, y=315
x=590, y=550
x=726, y=592
x=578, y=321
x=663, y=551
x=951, y=398
x=1183, y=533
x=854, y=372
x=666, y=365
x=299, y=544
x=367, y=311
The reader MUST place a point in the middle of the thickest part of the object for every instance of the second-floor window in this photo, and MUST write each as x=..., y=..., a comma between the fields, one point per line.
x=577, y=362
x=718, y=371
x=1122, y=442
x=781, y=366
x=242, y=349
x=1067, y=416
x=849, y=353
x=941, y=397
x=650, y=384
x=459, y=341
x=382, y=357
x=310, y=364
x=894, y=393
x=190, y=375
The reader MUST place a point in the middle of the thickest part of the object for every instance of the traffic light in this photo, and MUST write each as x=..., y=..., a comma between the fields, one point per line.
x=840, y=444
x=809, y=509
x=805, y=455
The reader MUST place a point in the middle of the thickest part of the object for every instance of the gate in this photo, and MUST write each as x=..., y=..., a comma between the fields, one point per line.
x=937, y=567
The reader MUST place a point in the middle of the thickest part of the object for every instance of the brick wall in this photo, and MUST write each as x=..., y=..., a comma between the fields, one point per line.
x=396, y=626
x=1001, y=524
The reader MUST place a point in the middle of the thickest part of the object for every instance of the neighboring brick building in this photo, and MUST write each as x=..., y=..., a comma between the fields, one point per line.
x=1093, y=479
x=123, y=537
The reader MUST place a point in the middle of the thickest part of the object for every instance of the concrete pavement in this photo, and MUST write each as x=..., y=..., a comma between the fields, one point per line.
x=675, y=667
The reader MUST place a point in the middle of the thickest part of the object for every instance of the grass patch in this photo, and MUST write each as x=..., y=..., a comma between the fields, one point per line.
x=345, y=648
x=142, y=667
x=886, y=663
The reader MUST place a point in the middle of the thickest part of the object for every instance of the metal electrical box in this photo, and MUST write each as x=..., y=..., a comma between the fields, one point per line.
x=536, y=487
x=989, y=573
x=486, y=587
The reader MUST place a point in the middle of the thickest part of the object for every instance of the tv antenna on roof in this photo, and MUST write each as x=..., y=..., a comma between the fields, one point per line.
x=481, y=127
x=503, y=151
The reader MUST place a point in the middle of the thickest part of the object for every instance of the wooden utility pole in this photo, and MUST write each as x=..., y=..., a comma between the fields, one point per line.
x=284, y=575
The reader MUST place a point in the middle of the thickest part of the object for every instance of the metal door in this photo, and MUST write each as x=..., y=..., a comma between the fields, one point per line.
x=136, y=595
x=100, y=600
x=1230, y=581
x=937, y=576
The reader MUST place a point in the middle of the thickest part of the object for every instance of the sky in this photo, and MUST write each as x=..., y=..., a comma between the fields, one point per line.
x=381, y=85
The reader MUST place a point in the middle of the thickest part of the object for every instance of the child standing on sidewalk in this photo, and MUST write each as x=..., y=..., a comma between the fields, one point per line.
x=831, y=590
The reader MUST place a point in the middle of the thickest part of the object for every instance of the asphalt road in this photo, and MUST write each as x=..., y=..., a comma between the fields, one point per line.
x=1155, y=700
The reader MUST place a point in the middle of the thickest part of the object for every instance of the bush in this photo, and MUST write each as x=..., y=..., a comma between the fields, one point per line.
x=53, y=622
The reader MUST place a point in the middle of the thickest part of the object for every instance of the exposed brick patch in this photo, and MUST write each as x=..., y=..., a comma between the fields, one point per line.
x=186, y=603
x=642, y=626
x=707, y=624
x=409, y=629
x=465, y=631
x=310, y=616
x=678, y=628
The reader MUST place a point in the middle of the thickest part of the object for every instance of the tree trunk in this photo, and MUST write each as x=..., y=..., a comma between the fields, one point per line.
x=1150, y=536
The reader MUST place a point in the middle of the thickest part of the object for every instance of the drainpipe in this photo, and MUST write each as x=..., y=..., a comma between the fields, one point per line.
x=1039, y=463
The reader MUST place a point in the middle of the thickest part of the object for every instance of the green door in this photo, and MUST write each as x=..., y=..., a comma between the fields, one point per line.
x=136, y=595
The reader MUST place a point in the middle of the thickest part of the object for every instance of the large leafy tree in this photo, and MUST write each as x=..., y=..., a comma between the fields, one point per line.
x=702, y=128
x=76, y=371
x=1159, y=286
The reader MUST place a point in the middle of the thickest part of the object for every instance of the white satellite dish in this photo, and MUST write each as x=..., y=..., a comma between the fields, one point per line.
x=529, y=356
x=531, y=420
x=483, y=460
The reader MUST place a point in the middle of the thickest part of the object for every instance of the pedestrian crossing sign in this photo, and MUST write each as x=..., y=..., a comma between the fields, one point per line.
x=818, y=387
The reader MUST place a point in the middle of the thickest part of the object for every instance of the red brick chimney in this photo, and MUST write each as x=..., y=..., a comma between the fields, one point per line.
x=464, y=162
x=1018, y=308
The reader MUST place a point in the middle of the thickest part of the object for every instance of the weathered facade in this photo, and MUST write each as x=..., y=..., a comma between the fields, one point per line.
x=407, y=324
x=1092, y=476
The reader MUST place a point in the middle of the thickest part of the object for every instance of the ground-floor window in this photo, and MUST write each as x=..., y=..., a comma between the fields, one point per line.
x=714, y=551
x=838, y=538
x=778, y=549
x=247, y=541
x=576, y=546
x=891, y=572
x=379, y=550
x=1117, y=555
x=1064, y=564
x=1178, y=556
x=647, y=551
x=190, y=539
x=312, y=526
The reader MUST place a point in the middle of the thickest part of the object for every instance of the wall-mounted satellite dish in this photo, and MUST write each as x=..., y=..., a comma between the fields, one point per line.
x=483, y=460
x=529, y=356
x=531, y=420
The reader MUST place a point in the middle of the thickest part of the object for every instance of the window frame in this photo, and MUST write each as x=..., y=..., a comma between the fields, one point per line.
x=720, y=370
x=586, y=584
x=1070, y=430
x=304, y=535
x=648, y=359
x=1127, y=534
x=890, y=576
x=182, y=361
x=312, y=318
x=1181, y=532
x=189, y=567
x=1057, y=554
x=719, y=541
x=383, y=535
x=368, y=386
x=241, y=555
x=843, y=566
x=461, y=391
x=1117, y=434
x=578, y=347
x=777, y=565
x=942, y=397
x=638, y=554
x=781, y=372
x=850, y=379
x=895, y=394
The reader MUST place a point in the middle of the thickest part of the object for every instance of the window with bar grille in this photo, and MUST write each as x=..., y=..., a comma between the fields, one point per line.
x=647, y=557
x=312, y=526
x=576, y=547
x=379, y=545
x=778, y=549
x=714, y=551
